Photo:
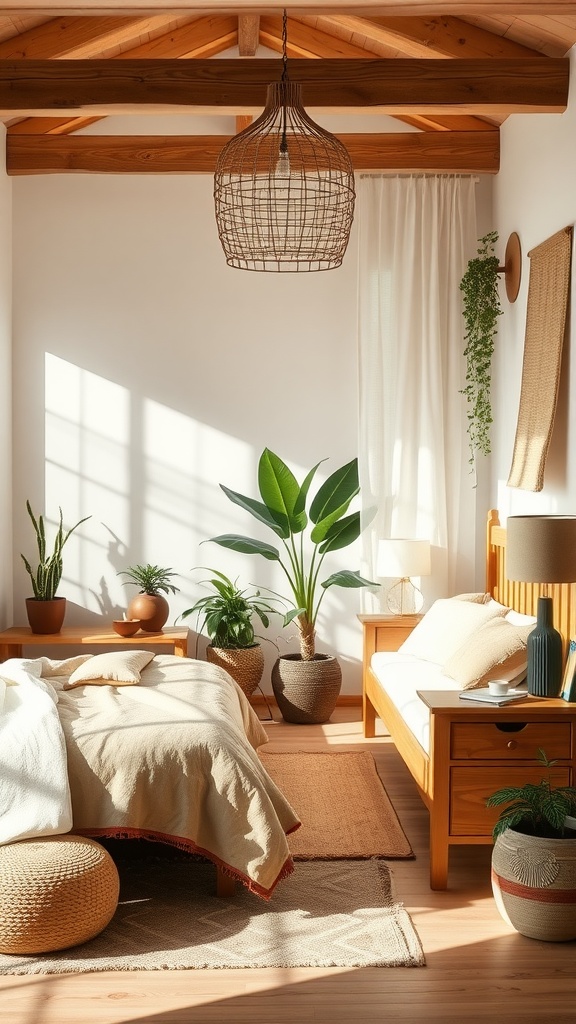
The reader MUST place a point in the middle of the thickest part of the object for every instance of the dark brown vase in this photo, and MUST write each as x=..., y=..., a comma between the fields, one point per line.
x=151, y=609
x=306, y=691
x=46, y=616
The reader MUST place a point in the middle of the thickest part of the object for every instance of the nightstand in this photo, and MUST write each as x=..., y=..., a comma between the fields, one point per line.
x=477, y=749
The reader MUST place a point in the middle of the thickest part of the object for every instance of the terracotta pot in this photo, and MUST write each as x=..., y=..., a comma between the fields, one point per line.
x=534, y=885
x=151, y=609
x=306, y=691
x=244, y=664
x=46, y=616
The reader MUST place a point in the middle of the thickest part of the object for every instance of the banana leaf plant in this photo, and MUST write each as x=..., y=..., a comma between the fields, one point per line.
x=284, y=509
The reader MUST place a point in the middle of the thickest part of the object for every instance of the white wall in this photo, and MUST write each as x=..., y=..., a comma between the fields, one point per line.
x=535, y=196
x=146, y=372
x=5, y=391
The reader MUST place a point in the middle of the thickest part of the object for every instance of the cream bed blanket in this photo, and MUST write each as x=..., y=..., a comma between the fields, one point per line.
x=174, y=759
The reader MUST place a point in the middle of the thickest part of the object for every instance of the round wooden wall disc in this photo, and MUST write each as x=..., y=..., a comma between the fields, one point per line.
x=513, y=267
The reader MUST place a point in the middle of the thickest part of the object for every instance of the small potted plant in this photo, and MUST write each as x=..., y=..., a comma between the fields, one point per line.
x=534, y=856
x=45, y=609
x=226, y=616
x=149, y=605
x=306, y=685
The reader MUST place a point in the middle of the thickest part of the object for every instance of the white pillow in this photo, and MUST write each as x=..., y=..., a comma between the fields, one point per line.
x=122, y=668
x=445, y=627
x=495, y=651
x=518, y=619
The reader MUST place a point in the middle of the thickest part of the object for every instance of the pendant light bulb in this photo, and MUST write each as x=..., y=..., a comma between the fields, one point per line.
x=283, y=165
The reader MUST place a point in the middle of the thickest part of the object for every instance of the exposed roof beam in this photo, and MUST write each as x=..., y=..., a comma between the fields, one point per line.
x=442, y=152
x=421, y=37
x=106, y=87
x=84, y=37
x=202, y=37
x=248, y=34
x=392, y=7
x=311, y=41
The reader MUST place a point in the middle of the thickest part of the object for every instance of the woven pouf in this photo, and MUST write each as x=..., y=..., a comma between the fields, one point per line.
x=54, y=893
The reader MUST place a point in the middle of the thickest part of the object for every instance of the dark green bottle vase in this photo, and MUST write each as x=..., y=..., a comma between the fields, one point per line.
x=544, y=650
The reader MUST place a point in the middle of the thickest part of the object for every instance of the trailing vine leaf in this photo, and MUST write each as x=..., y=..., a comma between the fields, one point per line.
x=481, y=309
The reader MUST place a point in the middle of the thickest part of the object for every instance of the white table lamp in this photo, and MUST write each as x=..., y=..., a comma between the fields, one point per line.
x=402, y=558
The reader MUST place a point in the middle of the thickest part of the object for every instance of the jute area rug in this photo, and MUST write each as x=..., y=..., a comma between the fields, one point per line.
x=326, y=914
x=342, y=804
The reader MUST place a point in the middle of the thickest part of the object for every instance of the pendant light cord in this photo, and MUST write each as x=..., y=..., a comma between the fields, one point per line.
x=284, y=79
x=284, y=47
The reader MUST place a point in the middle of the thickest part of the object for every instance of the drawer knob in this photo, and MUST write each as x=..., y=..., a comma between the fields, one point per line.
x=511, y=744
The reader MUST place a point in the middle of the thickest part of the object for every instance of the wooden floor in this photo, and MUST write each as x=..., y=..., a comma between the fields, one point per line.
x=477, y=970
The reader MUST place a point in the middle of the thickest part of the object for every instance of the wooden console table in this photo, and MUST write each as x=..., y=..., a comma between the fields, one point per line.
x=14, y=639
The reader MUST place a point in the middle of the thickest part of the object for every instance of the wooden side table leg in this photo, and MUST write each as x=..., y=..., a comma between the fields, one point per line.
x=181, y=648
x=440, y=801
x=438, y=861
x=10, y=651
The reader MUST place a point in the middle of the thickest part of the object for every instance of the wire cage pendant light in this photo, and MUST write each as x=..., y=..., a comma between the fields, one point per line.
x=284, y=188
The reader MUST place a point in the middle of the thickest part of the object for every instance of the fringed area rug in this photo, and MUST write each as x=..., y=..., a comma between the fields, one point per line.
x=341, y=802
x=326, y=914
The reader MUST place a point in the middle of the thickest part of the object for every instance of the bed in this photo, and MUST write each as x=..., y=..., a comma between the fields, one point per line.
x=171, y=758
x=459, y=752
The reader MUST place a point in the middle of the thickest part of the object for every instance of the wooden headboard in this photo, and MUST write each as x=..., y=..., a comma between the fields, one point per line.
x=523, y=597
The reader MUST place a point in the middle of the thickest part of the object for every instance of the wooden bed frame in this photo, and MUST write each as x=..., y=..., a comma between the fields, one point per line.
x=474, y=749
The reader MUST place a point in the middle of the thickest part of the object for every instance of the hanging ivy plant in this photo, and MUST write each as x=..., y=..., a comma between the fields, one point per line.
x=481, y=309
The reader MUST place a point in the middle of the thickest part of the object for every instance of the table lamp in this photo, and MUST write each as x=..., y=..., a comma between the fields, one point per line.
x=402, y=558
x=542, y=549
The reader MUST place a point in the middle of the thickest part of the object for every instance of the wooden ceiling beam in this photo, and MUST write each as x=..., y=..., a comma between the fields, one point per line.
x=248, y=34
x=421, y=37
x=465, y=8
x=442, y=152
x=203, y=37
x=307, y=41
x=84, y=37
x=69, y=87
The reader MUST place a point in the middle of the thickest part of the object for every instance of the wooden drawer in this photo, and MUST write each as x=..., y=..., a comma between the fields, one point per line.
x=470, y=787
x=509, y=740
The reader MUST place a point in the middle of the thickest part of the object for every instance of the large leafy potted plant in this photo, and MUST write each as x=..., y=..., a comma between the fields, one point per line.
x=227, y=617
x=481, y=309
x=150, y=605
x=306, y=685
x=534, y=856
x=45, y=609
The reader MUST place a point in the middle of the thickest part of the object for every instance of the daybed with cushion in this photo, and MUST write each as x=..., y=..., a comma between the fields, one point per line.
x=128, y=745
x=457, y=750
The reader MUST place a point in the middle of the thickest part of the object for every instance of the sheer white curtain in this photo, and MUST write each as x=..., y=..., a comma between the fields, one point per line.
x=416, y=234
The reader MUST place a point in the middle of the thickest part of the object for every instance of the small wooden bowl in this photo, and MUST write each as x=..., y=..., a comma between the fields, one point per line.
x=126, y=627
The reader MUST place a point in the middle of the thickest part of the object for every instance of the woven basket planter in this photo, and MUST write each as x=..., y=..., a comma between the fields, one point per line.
x=244, y=664
x=534, y=885
x=55, y=892
x=306, y=691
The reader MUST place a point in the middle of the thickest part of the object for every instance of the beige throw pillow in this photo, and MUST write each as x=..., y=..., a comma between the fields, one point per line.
x=120, y=668
x=445, y=627
x=495, y=651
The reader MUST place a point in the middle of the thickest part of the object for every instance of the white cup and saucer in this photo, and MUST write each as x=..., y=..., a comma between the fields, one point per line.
x=498, y=687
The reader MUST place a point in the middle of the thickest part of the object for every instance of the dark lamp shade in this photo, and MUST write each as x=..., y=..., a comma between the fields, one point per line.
x=541, y=549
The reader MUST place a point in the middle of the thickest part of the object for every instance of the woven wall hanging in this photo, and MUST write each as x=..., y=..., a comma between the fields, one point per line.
x=545, y=325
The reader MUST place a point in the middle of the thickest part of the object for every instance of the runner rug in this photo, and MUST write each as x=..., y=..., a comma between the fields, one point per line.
x=326, y=914
x=342, y=804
